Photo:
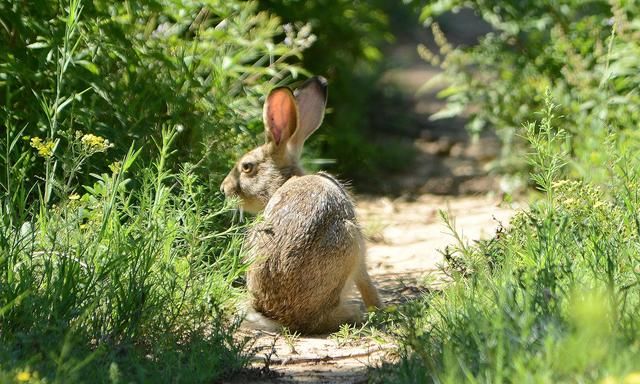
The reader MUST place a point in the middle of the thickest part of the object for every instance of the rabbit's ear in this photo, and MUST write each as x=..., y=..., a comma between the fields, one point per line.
x=311, y=98
x=280, y=116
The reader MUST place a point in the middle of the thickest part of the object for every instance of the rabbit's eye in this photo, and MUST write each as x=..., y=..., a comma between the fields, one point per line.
x=247, y=167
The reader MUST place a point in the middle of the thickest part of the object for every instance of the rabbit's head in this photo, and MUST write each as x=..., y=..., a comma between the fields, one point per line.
x=289, y=119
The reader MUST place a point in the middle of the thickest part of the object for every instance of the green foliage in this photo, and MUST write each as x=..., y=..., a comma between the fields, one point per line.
x=122, y=70
x=586, y=52
x=116, y=258
x=135, y=281
x=552, y=298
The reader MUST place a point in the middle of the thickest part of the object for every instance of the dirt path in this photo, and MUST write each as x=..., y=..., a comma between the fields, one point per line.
x=406, y=232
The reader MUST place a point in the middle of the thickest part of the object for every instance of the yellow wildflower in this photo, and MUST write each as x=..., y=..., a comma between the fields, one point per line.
x=23, y=376
x=115, y=166
x=45, y=149
x=74, y=196
x=92, y=140
x=560, y=183
x=632, y=378
x=95, y=143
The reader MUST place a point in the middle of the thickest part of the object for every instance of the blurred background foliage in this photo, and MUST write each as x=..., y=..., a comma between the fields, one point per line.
x=349, y=51
x=204, y=67
x=585, y=52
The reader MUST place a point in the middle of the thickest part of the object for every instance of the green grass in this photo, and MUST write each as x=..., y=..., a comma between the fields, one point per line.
x=117, y=261
x=554, y=297
x=122, y=282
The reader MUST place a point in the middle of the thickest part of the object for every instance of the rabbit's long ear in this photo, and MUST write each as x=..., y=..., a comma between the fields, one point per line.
x=311, y=98
x=280, y=116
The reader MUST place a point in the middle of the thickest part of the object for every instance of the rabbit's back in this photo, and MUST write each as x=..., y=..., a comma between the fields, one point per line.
x=303, y=251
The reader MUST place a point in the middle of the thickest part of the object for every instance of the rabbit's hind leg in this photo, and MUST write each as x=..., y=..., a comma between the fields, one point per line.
x=363, y=281
x=367, y=289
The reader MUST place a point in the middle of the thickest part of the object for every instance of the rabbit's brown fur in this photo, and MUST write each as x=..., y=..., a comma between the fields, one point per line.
x=308, y=250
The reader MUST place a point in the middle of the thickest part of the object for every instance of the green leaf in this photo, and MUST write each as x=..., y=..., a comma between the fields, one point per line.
x=89, y=66
x=38, y=45
x=453, y=109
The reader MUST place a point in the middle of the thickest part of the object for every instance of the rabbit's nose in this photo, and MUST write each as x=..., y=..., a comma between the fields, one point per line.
x=222, y=185
x=226, y=187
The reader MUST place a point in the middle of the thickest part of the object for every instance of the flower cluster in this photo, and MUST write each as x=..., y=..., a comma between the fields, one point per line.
x=115, y=166
x=45, y=148
x=95, y=143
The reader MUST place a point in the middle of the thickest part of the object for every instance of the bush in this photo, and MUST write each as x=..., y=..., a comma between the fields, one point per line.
x=585, y=52
x=131, y=281
x=554, y=297
x=116, y=257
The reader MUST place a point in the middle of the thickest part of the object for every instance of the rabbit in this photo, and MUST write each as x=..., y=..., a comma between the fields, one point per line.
x=308, y=249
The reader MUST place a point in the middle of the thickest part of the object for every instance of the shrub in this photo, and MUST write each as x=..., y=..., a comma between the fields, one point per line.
x=553, y=297
x=116, y=257
x=124, y=70
x=135, y=281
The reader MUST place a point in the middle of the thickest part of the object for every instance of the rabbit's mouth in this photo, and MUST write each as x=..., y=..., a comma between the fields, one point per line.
x=242, y=203
x=251, y=205
x=240, y=212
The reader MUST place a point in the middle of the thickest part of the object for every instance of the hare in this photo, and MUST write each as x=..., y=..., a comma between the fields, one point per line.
x=308, y=250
